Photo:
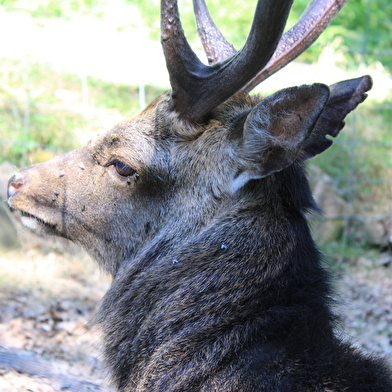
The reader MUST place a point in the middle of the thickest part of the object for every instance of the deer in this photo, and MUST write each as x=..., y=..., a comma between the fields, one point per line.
x=197, y=208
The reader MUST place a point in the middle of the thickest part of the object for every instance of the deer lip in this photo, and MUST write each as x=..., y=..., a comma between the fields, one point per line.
x=38, y=220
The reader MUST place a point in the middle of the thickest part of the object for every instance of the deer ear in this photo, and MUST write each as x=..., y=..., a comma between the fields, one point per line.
x=345, y=97
x=276, y=129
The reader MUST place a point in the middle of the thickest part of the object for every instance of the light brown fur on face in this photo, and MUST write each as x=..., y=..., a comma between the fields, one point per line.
x=80, y=196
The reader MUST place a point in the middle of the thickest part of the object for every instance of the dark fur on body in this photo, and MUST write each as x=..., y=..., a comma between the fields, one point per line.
x=242, y=304
x=244, y=308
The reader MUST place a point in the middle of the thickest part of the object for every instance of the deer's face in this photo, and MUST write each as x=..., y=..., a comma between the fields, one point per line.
x=107, y=196
x=116, y=193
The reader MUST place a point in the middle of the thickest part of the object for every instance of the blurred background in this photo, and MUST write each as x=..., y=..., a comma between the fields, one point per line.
x=69, y=69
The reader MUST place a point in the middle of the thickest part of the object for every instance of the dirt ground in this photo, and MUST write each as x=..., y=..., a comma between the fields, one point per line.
x=46, y=303
x=47, y=300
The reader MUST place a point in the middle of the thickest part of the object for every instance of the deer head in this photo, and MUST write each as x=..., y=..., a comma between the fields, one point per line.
x=173, y=168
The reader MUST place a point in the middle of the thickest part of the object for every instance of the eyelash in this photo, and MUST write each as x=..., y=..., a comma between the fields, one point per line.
x=122, y=169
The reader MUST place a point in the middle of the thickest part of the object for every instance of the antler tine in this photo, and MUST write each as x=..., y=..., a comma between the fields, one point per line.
x=183, y=65
x=196, y=88
x=317, y=16
x=215, y=45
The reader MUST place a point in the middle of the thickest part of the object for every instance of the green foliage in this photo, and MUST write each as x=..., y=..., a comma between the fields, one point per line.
x=29, y=130
x=41, y=110
x=46, y=135
x=369, y=22
x=119, y=97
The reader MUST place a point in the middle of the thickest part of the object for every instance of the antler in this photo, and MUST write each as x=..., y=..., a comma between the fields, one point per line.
x=317, y=16
x=214, y=43
x=196, y=88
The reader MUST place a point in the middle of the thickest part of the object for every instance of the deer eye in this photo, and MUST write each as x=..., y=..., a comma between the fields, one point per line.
x=123, y=169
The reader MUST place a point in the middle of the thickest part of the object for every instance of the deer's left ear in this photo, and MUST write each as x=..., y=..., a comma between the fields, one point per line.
x=276, y=130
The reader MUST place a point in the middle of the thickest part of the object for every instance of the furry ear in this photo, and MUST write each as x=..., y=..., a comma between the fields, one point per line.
x=345, y=97
x=276, y=129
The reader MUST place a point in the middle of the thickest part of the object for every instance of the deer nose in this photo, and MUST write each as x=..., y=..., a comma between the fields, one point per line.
x=15, y=183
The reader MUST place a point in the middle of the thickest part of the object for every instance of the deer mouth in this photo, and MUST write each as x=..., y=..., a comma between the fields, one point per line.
x=37, y=224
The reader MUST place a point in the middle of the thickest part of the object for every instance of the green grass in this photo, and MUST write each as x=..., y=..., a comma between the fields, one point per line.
x=120, y=97
x=50, y=123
